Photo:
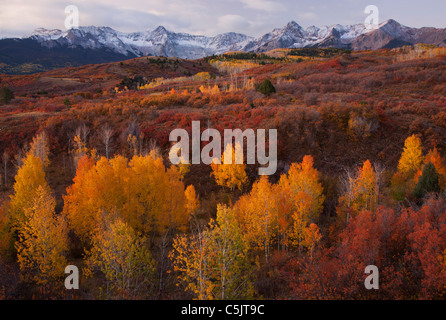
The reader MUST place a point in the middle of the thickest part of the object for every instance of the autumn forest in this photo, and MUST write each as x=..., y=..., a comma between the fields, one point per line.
x=85, y=178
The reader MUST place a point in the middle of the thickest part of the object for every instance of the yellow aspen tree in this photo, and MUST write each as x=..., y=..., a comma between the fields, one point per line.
x=412, y=156
x=190, y=257
x=43, y=240
x=156, y=200
x=229, y=256
x=28, y=179
x=230, y=175
x=109, y=177
x=213, y=264
x=122, y=256
x=258, y=213
x=201, y=76
x=183, y=169
x=145, y=192
x=133, y=144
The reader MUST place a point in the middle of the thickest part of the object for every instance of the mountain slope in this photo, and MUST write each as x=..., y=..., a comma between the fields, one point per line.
x=19, y=56
x=47, y=49
x=391, y=34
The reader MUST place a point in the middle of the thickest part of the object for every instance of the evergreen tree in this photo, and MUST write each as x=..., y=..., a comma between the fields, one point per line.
x=428, y=182
x=266, y=87
x=6, y=95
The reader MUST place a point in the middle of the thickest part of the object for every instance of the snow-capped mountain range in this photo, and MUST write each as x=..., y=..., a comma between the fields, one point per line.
x=162, y=42
x=159, y=42
x=49, y=49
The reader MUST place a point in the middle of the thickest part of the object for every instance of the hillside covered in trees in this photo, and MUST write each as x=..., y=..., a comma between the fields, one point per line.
x=86, y=180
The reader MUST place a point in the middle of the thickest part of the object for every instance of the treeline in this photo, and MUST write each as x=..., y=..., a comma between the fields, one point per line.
x=318, y=52
x=243, y=56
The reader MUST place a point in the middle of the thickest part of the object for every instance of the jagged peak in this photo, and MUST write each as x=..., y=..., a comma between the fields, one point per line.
x=393, y=27
x=45, y=31
x=293, y=25
x=160, y=29
x=391, y=22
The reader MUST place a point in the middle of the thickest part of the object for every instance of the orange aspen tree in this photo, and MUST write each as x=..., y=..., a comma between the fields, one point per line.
x=312, y=237
x=365, y=188
x=147, y=196
x=305, y=193
x=362, y=194
x=97, y=188
x=192, y=201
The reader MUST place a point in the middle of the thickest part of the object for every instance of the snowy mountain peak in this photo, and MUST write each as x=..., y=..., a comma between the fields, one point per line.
x=45, y=33
x=163, y=42
x=293, y=25
x=160, y=30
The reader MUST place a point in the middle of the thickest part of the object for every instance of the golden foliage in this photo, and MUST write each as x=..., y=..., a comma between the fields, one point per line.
x=361, y=193
x=192, y=202
x=122, y=256
x=149, y=197
x=303, y=189
x=42, y=240
x=230, y=175
x=412, y=156
x=258, y=214
x=233, y=66
x=214, y=263
x=27, y=181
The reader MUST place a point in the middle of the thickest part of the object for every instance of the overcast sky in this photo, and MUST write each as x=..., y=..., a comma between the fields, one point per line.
x=210, y=17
